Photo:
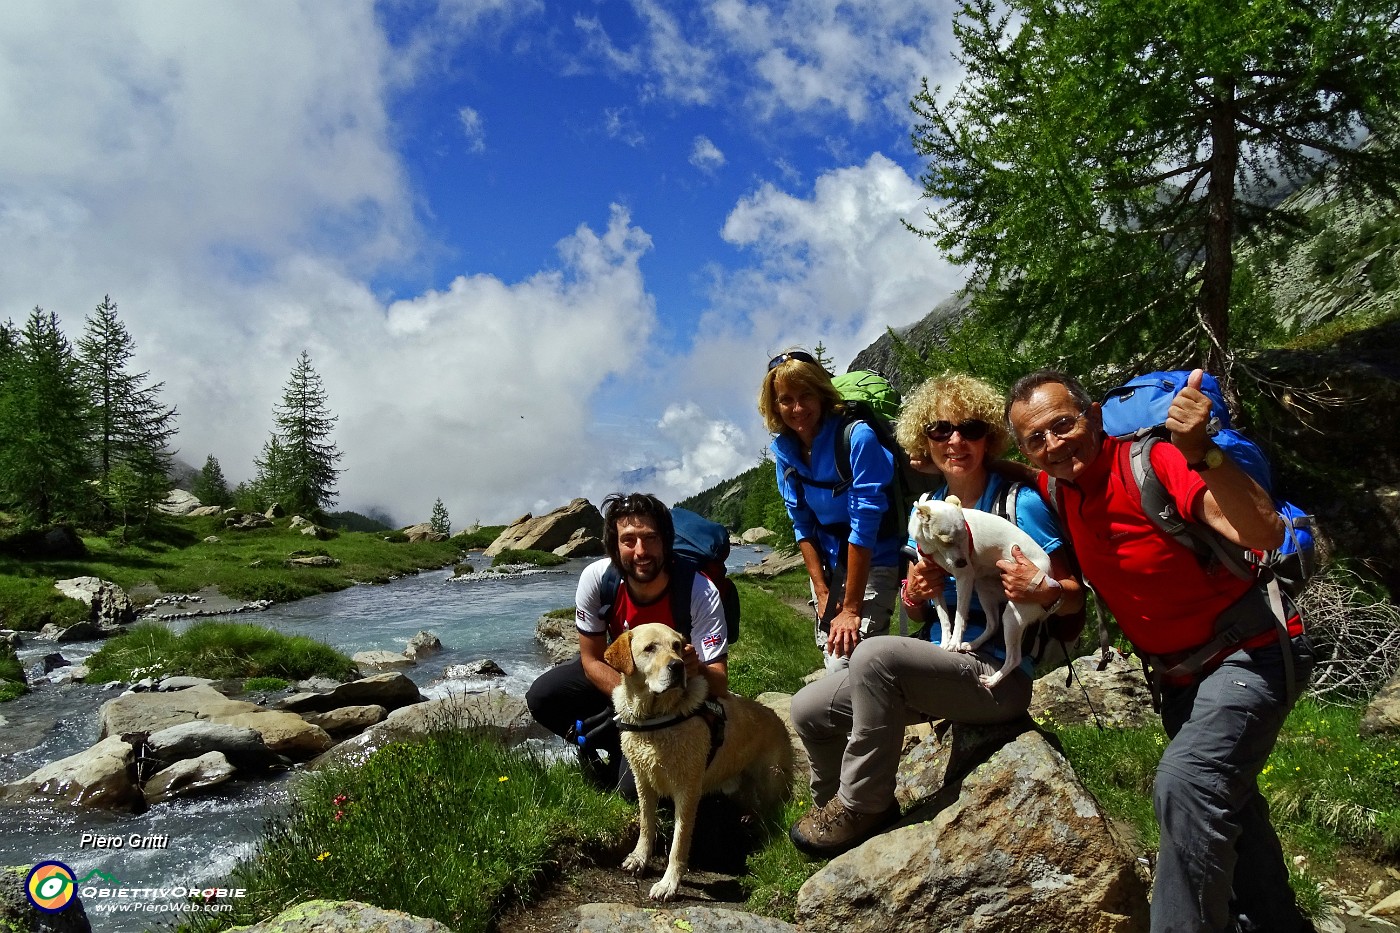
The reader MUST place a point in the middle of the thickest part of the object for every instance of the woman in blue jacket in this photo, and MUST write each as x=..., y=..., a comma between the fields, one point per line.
x=852, y=554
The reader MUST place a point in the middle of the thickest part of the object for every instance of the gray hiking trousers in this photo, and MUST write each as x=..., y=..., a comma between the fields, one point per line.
x=1219, y=862
x=877, y=608
x=852, y=721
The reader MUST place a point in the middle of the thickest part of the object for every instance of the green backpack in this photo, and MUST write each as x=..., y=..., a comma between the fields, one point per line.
x=869, y=386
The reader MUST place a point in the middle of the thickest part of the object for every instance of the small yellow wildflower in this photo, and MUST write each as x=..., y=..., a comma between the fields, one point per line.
x=503, y=777
x=323, y=856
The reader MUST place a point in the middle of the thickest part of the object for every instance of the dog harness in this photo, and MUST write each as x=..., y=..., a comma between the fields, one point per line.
x=711, y=711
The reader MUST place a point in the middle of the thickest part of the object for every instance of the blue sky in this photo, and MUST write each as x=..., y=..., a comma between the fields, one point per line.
x=535, y=250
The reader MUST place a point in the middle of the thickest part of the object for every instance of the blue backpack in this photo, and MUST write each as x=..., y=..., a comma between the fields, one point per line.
x=701, y=546
x=1137, y=412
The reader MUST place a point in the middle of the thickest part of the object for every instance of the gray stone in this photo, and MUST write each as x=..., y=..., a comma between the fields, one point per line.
x=391, y=691
x=241, y=745
x=582, y=543
x=314, y=560
x=1006, y=839
x=776, y=562
x=558, y=636
x=283, y=732
x=179, y=502
x=474, y=669
x=1382, y=715
x=189, y=776
x=423, y=532
x=96, y=777
x=347, y=720
x=343, y=917
x=755, y=535
x=108, y=605
x=17, y=915
x=422, y=645
x=54, y=661
x=1117, y=696
x=380, y=661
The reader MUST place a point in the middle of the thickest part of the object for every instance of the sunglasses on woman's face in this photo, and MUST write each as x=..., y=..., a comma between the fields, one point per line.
x=800, y=355
x=973, y=429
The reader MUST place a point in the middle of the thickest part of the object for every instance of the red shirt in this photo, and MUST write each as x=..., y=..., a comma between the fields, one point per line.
x=1157, y=590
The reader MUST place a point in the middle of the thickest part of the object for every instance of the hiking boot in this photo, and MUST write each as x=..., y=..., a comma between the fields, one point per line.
x=829, y=830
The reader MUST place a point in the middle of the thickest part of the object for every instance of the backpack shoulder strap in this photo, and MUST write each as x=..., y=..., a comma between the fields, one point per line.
x=681, y=584
x=608, y=586
x=1005, y=502
x=1202, y=540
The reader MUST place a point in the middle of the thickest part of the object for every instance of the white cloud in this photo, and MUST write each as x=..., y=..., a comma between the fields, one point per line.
x=473, y=129
x=712, y=450
x=669, y=64
x=619, y=124
x=706, y=156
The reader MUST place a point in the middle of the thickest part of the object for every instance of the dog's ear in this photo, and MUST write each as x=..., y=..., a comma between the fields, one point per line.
x=619, y=654
x=954, y=501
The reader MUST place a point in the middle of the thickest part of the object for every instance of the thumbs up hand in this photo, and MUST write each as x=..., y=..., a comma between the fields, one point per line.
x=1189, y=417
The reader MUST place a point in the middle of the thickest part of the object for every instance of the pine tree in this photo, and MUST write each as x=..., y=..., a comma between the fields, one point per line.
x=271, y=485
x=44, y=464
x=128, y=424
x=303, y=467
x=210, y=487
x=440, y=521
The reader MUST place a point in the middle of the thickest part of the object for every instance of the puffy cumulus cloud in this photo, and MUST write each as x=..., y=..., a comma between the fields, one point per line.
x=836, y=267
x=712, y=450
x=705, y=155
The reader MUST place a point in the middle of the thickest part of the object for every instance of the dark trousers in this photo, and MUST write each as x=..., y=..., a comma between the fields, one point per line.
x=1219, y=862
x=561, y=697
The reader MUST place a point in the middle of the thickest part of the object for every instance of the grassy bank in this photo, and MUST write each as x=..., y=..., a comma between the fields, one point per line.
x=177, y=558
x=216, y=650
x=478, y=834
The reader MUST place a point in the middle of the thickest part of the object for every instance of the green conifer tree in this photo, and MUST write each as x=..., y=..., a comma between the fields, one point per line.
x=302, y=463
x=440, y=521
x=210, y=487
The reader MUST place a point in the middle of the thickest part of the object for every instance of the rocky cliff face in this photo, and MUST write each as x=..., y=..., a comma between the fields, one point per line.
x=881, y=356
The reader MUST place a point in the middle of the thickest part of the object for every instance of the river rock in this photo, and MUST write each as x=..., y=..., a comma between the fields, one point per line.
x=755, y=535
x=1118, y=695
x=18, y=915
x=283, y=732
x=1382, y=716
x=187, y=777
x=380, y=661
x=776, y=562
x=344, y=917
x=241, y=745
x=1013, y=845
x=493, y=713
x=391, y=691
x=473, y=670
x=108, y=605
x=558, y=636
x=179, y=502
x=347, y=720
x=548, y=532
x=96, y=777
x=54, y=661
x=313, y=560
x=626, y=918
x=422, y=645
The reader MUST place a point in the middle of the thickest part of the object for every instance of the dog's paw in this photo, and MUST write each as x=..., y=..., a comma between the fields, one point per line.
x=636, y=863
x=666, y=888
x=990, y=680
x=964, y=647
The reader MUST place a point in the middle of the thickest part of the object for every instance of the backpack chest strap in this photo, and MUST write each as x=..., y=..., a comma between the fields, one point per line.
x=711, y=711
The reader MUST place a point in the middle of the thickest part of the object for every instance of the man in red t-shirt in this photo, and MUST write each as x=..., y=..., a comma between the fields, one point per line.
x=1219, y=866
x=640, y=538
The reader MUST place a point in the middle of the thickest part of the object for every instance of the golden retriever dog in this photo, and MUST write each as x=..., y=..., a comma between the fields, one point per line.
x=669, y=737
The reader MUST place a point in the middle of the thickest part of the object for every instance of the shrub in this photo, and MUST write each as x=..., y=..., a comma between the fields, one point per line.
x=480, y=537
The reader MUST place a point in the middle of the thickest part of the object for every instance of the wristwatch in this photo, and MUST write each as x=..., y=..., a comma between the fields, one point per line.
x=1213, y=458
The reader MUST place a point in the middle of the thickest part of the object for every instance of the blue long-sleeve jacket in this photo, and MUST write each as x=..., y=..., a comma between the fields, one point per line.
x=861, y=506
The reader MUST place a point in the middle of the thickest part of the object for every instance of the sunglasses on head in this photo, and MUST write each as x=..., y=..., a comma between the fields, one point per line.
x=973, y=429
x=801, y=356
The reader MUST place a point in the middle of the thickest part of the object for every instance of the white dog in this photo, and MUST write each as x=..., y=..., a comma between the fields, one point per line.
x=967, y=544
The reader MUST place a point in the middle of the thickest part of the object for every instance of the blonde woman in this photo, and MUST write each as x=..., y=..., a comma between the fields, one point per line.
x=851, y=553
x=852, y=722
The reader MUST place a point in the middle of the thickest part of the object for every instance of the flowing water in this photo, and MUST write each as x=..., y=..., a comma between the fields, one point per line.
x=194, y=843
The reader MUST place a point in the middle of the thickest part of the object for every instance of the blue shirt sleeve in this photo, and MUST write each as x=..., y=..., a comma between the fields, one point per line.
x=872, y=470
x=803, y=522
x=1034, y=517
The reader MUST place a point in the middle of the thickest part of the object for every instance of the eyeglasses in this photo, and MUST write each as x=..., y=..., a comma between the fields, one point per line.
x=1061, y=427
x=973, y=429
x=801, y=356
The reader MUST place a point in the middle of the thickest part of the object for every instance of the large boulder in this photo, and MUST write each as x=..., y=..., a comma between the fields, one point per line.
x=558, y=636
x=179, y=502
x=548, y=532
x=422, y=645
x=423, y=531
x=582, y=543
x=241, y=745
x=1005, y=839
x=96, y=777
x=283, y=732
x=380, y=661
x=347, y=720
x=1116, y=696
x=108, y=605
